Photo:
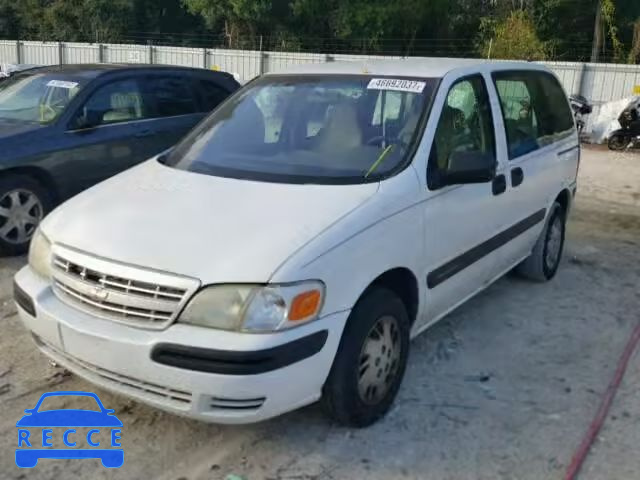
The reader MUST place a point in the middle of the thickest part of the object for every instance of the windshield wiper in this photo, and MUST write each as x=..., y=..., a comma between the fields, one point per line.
x=382, y=156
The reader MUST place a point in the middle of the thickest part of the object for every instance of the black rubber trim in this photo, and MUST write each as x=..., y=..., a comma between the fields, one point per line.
x=449, y=269
x=517, y=177
x=228, y=362
x=569, y=150
x=499, y=185
x=23, y=300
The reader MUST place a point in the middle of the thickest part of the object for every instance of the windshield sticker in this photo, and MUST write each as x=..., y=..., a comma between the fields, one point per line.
x=62, y=84
x=396, y=84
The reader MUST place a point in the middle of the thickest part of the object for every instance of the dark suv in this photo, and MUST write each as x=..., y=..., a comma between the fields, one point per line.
x=65, y=128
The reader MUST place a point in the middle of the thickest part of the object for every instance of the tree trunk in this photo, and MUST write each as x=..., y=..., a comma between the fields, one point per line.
x=634, y=56
x=597, y=34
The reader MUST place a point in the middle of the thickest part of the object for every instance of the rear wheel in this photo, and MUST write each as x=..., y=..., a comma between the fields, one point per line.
x=371, y=360
x=544, y=260
x=23, y=204
x=618, y=142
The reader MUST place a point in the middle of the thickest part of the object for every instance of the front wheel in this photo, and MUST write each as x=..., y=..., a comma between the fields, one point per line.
x=371, y=360
x=618, y=142
x=23, y=204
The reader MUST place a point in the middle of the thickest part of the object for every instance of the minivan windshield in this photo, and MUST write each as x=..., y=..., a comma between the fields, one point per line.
x=36, y=97
x=309, y=129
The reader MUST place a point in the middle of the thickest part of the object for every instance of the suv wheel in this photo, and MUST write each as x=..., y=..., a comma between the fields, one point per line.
x=371, y=360
x=544, y=260
x=23, y=204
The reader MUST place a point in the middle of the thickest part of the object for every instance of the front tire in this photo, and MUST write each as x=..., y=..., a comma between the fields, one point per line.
x=23, y=204
x=543, y=263
x=371, y=360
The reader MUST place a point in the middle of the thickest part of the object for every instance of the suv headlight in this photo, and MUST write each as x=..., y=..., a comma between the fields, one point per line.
x=40, y=254
x=255, y=308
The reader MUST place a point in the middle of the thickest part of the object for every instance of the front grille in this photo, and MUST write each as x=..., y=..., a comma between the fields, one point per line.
x=125, y=300
x=176, y=398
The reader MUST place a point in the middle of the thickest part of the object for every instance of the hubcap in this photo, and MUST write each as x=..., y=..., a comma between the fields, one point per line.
x=379, y=360
x=554, y=243
x=20, y=214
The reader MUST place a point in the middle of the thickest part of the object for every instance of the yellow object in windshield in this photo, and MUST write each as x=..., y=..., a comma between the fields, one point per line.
x=382, y=156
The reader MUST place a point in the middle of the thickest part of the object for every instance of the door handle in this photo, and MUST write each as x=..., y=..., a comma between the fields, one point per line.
x=499, y=185
x=143, y=133
x=517, y=176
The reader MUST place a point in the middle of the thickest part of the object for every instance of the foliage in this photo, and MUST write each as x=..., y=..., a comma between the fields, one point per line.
x=239, y=18
x=515, y=37
x=557, y=29
x=609, y=13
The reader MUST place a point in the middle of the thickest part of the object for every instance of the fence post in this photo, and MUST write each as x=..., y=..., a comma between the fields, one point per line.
x=261, y=59
x=100, y=53
x=204, y=58
x=150, y=52
x=18, y=52
x=61, y=53
x=582, y=85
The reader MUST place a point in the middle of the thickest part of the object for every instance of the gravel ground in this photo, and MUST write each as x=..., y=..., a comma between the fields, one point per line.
x=503, y=388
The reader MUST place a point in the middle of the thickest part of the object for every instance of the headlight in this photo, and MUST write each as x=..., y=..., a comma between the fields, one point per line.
x=40, y=254
x=255, y=308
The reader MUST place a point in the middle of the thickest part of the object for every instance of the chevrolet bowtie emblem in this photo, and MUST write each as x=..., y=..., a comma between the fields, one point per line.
x=99, y=293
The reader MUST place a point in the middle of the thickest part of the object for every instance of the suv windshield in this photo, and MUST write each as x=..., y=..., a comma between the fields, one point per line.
x=36, y=97
x=309, y=129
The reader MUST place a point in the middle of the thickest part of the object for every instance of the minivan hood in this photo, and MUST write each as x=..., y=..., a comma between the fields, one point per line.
x=215, y=229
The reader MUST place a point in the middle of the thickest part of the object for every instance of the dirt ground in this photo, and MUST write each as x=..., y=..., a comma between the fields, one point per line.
x=504, y=388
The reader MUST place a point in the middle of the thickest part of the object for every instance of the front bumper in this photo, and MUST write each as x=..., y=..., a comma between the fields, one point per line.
x=210, y=375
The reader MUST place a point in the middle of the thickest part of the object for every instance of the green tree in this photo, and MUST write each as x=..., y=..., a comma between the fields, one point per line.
x=241, y=20
x=168, y=21
x=515, y=38
x=9, y=22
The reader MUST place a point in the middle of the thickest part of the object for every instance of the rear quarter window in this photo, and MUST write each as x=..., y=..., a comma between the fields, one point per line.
x=211, y=94
x=535, y=110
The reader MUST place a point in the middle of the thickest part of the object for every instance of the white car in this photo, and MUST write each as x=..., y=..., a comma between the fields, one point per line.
x=290, y=246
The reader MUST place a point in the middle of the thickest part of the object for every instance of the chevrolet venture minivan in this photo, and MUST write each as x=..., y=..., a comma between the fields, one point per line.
x=290, y=246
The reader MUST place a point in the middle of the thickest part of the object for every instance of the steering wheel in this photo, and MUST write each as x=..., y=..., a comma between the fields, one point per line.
x=49, y=110
x=47, y=113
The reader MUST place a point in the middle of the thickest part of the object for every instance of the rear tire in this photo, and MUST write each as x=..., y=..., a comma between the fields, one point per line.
x=371, y=360
x=23, y=204
x=543, y=263
x=618, y=142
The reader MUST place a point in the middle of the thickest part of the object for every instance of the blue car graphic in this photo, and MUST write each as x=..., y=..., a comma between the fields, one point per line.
x=69, y=418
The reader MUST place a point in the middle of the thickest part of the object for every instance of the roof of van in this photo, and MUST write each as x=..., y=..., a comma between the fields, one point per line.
x=411, y=67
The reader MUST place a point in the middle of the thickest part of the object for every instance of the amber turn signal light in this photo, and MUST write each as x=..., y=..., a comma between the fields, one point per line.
x=305, y=305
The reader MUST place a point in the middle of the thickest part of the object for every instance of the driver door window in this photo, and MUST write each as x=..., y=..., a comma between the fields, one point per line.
x=465, y=125
x=117, y=102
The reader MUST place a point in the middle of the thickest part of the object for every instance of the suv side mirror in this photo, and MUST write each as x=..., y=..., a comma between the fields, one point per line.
x=470, y=167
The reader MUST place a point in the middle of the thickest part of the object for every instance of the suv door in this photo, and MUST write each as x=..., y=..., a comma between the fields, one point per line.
x=103, y=135
x=174, y=109
x=463, y=223
x=542, y=148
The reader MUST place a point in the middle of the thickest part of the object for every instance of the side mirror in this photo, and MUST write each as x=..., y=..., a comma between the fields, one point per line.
x=29, y=411
x=470, y=167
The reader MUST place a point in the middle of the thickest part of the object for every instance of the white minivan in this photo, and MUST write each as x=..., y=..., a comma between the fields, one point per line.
x=290, y=246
